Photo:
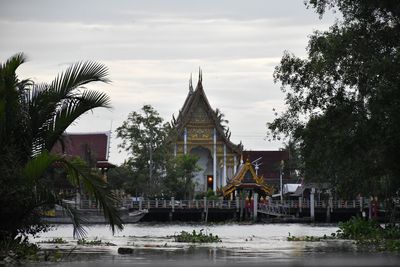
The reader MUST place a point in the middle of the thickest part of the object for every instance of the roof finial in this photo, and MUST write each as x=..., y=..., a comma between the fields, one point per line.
x=200, y=75
x=190, y=84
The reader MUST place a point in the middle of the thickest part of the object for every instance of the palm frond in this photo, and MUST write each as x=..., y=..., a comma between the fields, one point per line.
x=78, y=75
x=77, y=219
x=49, y=103
x=70, y=111
x=11, y=65
x=99, y=189
x=78, y=173
x=37, y=166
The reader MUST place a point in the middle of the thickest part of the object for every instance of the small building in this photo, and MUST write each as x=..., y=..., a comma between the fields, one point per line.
x=246, y=181
x=269, y=166
x=93, y=148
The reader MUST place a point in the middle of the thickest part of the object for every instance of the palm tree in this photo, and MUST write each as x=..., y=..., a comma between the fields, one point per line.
x=33, y=118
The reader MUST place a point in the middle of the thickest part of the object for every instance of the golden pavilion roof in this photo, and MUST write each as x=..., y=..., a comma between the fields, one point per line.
x=246, y=177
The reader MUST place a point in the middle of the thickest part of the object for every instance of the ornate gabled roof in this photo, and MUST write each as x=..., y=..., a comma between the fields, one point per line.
x=246, y=177
x=189, y=106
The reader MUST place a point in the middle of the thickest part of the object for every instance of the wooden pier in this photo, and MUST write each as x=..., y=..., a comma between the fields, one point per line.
x=215, y=210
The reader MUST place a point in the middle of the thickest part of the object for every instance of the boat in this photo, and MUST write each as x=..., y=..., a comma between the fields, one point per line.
x=93, y=216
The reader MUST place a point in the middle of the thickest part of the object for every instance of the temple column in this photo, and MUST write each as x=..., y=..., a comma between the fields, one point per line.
x=234, y=164
x=224, y=170
x=185, y=141
x=215, y=161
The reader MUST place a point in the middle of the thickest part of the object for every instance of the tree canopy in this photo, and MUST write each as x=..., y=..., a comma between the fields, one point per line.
x=152, y=170
x=343, y=100
x=144, y=137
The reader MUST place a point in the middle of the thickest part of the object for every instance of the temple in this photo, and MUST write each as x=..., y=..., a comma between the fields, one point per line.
x=200, y=132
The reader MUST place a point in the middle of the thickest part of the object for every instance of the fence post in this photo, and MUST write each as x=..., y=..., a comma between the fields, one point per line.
x=312, y=204
x=140, y=203
x=172, y=204
x=255, y=206
x=205, y=203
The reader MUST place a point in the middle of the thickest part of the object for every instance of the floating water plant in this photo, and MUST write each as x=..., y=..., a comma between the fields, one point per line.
x=57, y=240
x=309, y=238
x=95, y=242
x=196, y=237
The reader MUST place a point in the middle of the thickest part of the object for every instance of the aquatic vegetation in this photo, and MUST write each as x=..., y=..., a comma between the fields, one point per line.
x=357, y=228
x=196, y=237
x=95, y=242
x=56, y=240
x=368, y=235
x=309, y=238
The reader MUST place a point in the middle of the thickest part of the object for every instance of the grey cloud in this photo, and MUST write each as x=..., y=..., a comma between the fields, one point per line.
x=116, y=12
x=151, y=47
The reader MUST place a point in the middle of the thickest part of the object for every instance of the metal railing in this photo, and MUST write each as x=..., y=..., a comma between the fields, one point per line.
x=184, y=204
x=225, y=204
x=305, y=203
x=274, y=209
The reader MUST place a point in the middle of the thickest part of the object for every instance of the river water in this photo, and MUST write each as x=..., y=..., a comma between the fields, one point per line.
x=251, y=244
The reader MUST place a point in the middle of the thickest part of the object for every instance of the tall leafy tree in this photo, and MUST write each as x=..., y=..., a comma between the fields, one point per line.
x=343, y=100
x=33, y=117
x=144, y=136
x=178, y=181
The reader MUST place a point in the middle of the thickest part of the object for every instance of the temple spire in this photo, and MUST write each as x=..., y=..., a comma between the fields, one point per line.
x=199, y=82
x=190, y=84
x=200, y=76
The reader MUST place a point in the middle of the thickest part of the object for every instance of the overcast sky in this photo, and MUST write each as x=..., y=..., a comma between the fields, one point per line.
x=151, y=48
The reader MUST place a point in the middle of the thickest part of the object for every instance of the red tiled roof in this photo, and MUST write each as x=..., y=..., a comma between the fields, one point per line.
x=94, y=145
x=271, y=160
